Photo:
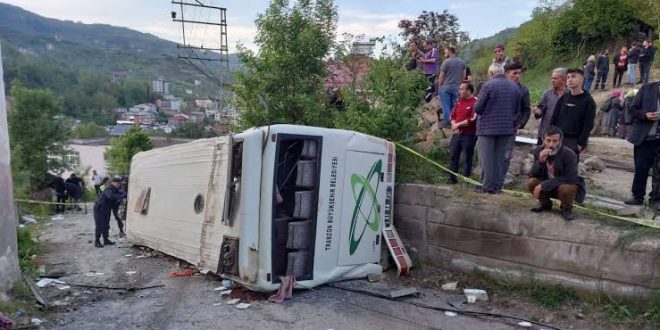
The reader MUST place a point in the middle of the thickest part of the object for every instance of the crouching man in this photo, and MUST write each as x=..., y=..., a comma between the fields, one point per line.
x=555, y=175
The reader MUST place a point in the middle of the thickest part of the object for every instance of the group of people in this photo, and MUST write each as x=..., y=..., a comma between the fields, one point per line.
x=487, y=119
x=626, y=60
x=69, y=191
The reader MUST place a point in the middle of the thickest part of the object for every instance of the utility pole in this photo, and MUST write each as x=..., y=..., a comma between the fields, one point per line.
x=9, y=270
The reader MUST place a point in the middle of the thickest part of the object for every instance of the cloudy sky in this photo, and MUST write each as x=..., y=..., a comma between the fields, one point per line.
x=373, y=18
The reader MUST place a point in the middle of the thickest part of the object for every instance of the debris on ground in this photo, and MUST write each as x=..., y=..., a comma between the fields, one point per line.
x=131, y=272
x=182, y=273
x=595, y=164
x=376, y=277
x=58, y=217
x=29, y=218
x=92, y=274
x=44, y=282
x=525, y=324
x=451, y=286
x=448, y=313
x=36, y=322
x=62, y=287
x=473, y=295
x=457, y=301
x=403, y=292
x=217, y=304
x=243, y=306
x=5, y=323
x=225, y=292
x=233, y=301
x=227, y=283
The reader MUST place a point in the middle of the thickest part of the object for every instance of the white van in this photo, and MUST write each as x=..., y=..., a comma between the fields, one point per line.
x=268, y=202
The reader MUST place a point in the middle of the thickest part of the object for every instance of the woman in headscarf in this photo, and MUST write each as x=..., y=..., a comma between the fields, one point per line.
x=611, y=110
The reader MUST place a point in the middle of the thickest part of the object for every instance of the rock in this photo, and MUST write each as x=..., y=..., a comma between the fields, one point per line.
x=527, y=166
x=430, y=117
x=579, y=316
x=582, y=169
x=630, y=210
x=423, y=146
x=445, y=143
x=451, y=286
x=509, y=178
x=595, y=164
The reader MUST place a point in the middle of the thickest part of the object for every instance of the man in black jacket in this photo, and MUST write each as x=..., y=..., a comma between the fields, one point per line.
x=107, y=201
x=603, y=67
x=60, y=192
x=575, y=113
x=555, y=175
x=645, y=135
x=646, y=57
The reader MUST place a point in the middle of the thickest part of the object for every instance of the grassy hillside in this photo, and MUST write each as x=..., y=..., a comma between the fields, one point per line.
x=100, y=48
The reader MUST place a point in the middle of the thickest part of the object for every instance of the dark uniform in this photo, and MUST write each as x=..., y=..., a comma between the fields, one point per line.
x=106, y=202
x=60, y=192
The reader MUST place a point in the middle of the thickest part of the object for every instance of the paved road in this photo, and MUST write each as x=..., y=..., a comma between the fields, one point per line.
x=188, y=302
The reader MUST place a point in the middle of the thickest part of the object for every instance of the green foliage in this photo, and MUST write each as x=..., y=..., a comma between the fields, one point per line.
x=89, y=130
x=588, y=23
x=190, y=130
x=122, y=150
x=35, y=132
x=413, y=169
x=443, y=28
x=289, y=70
x=386, y=106
x=27, y=247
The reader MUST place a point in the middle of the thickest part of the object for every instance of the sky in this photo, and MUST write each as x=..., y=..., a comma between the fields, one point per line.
x=374, y=18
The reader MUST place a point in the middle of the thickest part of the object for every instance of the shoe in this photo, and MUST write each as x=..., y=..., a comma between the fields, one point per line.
x=567, y=214
x=108, y=242
x=633, y=201
x=451, y=181
x=98, y=244
x=122, y=235
x=428, y=97
x=540, y=208
x=655, y=205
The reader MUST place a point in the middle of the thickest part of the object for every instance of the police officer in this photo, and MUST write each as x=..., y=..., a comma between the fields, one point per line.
x=106, y=202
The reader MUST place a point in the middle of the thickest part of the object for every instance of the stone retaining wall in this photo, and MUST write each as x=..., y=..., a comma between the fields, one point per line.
x=451, y=227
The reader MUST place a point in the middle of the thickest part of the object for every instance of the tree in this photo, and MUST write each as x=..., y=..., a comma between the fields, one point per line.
x=189, y=130
x=443, y=28
x=283, y=81
x=591, y=22
x=89, y=130
x=122, y=150
x=385, y=107
x=37, y=134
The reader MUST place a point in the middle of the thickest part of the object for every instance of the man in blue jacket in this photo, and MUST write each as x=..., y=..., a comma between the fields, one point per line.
x=106, y=202
x=645, y=135
x=496, y=108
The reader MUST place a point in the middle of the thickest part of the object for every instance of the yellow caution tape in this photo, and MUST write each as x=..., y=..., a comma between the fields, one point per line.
x=44, y=202
x=641, y=222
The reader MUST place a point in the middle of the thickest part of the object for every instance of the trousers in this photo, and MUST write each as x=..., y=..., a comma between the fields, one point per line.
x=492, y=150
x=462, y=144
x=565, y=193
x=647, y=157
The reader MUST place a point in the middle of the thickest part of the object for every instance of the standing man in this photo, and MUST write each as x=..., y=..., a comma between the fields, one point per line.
x=500, y=59
x=96, y=179
x=60, y=192
x=464, y=128
x=645, y=135
x=452, y=74
x=430, y=60
x=555, y=175
x=513, y=72
x=603, y=66
x=496, y=108
x=546, y=108
x=646, y=56
x=575, y=113
x=106, y=202
x=633, y=59
x=620, y=66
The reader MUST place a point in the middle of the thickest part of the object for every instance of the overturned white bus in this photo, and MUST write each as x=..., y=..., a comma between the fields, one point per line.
x=268, y=202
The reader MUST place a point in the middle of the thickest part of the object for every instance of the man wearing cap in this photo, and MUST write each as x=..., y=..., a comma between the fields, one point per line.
x=512, y=72
x=501, y=59
x=108, y=200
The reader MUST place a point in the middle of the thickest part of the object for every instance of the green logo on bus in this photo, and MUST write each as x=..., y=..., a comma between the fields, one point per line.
x=365, y=195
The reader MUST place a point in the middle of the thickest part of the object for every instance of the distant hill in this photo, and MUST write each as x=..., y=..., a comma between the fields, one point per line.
x=100, y=48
